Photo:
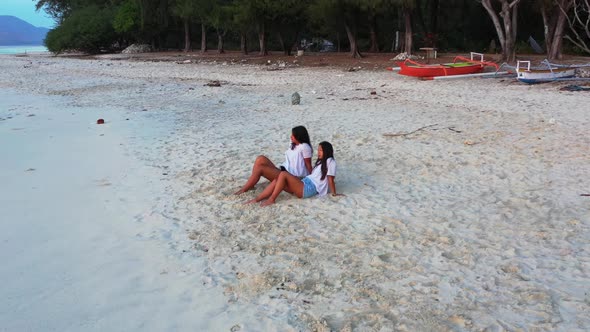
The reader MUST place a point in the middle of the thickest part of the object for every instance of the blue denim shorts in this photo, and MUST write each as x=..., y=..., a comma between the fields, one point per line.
x=308, y=188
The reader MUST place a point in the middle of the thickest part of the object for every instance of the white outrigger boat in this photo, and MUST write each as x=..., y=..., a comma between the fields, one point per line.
x=525, y=74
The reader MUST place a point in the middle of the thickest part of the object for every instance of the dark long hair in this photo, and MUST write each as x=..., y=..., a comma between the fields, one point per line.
x=301, y=135
x=328, y=153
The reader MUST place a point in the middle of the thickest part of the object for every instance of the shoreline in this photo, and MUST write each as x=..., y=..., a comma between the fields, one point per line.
x=475, y=222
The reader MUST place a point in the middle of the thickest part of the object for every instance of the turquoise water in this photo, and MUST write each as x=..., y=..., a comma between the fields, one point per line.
x=22, y=49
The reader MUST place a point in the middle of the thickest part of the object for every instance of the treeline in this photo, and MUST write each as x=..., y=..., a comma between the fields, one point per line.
x=355, y=26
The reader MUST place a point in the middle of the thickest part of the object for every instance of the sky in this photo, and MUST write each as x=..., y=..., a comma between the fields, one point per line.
x=25, y=10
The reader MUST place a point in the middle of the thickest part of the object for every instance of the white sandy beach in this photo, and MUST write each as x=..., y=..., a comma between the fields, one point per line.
x=473, y=223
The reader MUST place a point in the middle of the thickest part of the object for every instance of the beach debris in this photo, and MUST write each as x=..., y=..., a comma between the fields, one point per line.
x=583, y=72
x=100, y=121
x=573, y=87
x=30, y=170
x=353, y=69
x=585, y=195
x=183, y=62
x=235, y=328
x=295, y=98
x=214, y=83
x=30, y=115
x=469, y=142
x=403, y=56
x=454, y=130
x=373, y=93
x=137, y=48
x=409, y=133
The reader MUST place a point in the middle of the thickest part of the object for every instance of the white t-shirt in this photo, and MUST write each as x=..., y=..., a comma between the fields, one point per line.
x=316, y=176
x=295, y=159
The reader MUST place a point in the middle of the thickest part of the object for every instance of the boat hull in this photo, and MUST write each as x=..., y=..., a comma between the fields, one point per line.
x=533, y=76
x=445, y=69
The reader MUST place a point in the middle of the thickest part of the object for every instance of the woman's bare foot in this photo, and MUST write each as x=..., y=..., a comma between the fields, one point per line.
x=267, y=203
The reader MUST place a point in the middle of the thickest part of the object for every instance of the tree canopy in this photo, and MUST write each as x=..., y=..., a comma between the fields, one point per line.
x=356, y=26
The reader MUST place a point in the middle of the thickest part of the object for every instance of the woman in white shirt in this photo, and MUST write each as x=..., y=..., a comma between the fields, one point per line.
x=297, y=161
x=317, y=183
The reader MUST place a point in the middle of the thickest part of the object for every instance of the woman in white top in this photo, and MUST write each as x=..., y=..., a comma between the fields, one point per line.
x=317, y=183
x=297, y=161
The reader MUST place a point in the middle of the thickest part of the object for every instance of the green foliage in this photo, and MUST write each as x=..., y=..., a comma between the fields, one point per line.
x=127, y=18
x=461, y=25
x=243, y=15
x=88, y=30
x=185, y=9
x=328, y=15
x=221, y=17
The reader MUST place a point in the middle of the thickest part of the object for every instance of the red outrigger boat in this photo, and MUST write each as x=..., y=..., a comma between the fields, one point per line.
x=459, y=66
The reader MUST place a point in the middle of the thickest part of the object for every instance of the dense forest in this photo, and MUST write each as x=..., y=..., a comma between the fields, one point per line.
x=355, y=26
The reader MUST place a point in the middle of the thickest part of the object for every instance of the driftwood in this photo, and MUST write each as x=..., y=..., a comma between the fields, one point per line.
x=410, y=133
x=587, y=195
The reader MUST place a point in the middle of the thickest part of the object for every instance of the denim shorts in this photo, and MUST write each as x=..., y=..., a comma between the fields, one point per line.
x=308, y=188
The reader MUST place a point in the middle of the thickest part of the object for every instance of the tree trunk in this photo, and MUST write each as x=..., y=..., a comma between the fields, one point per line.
x=547, y=29
x=509, y=17
x=282, y=42
x=354, y=51
x=464, y=18
x=434, y=18
x=373, y=34
x=187, y=36
x=262, y=39
x=556, y=43
x=408, y=26
x=220, y=42
x=295, y=44
x=419, y=16
x=244, y=43
x=555, y=28
x=203, y=38
x=507, y=31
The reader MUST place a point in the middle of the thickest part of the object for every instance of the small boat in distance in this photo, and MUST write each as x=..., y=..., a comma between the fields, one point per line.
x=552, y=72
x=459, y=66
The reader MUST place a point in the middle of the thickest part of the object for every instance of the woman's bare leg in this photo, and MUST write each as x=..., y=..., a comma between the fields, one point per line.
x=288, y=183
x=263, y=167
x=265, y=193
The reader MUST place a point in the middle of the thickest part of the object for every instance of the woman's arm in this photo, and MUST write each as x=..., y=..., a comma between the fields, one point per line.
x=332, y=186
x=307, y=164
